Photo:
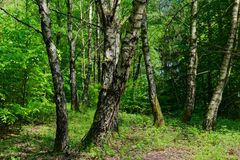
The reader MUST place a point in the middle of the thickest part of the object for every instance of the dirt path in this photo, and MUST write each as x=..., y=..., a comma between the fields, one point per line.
x=171, y=153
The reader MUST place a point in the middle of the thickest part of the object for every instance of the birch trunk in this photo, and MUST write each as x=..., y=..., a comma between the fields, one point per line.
x=111, y=30
x=89, y=71
x=83, y=43
x=109, y=96
x=156, y=109
x=60, y=100
x=211, y=116
x=72, y=47
x=59, y=24
x=98, y=50
x=192, y=68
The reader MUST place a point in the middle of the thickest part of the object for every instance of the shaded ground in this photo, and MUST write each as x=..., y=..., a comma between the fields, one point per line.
x=7, y=130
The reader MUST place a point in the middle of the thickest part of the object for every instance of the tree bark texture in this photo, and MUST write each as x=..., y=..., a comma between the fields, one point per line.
x=72, y=47
x=61, y=138
x=89, y=71
x=192, y=67
x=109, y=96
x=156, y=109
x=211, y=116
x=110, y=22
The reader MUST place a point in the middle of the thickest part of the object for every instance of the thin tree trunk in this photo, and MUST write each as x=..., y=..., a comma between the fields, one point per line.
x=156, y=109
x=72, y=47
x=58, y=16
x=87, y=80
x=94, y=65
x=98, y=49
x=209, y=75
x=136, y=73
x=109, y=98
x=61, y=138
x=192, y=68
x=83, y=44
x=211, y=116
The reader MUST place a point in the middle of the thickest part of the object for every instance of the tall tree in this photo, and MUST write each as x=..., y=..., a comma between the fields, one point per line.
x=156, y=109
x=111, y=30
x=211, y=116
x=72, y=47
x=109, y=96
x=109, y=21
x=98, y=48
x=61, y=138
x=82, y=42
x=192, y=67
x=87, y=80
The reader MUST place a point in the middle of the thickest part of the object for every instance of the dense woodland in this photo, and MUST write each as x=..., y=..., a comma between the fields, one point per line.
x=119, y=79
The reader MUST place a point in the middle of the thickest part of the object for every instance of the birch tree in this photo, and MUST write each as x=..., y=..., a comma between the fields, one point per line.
x=211, y=116
x=61, y=137
x=156, y=109
x=192, y=67
x=109, y=96
x=72, y=48
x=98, y=49
x=89, y=71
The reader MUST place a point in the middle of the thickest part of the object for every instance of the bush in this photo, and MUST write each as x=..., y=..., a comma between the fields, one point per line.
x=135, y=98
x=35, y=111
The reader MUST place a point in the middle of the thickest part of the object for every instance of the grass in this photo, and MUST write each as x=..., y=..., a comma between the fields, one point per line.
x=137, y=138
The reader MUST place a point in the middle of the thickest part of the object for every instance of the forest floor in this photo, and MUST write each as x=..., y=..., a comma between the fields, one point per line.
x=137, y=139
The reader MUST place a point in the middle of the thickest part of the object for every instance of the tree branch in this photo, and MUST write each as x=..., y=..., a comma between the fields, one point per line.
x=83, y=20
x=114, y=9
x=20, y=21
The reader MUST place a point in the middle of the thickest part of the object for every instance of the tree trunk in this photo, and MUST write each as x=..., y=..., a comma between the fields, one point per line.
x=60, y=100
x=83, y=43
x=109, y=97
x=98, y=49
x=87, y=80
x=59, y=24
x=211, y=116
x=136, y=73
x=72, y=47
x=156, y=109
x=192, y=68
x=112, y=45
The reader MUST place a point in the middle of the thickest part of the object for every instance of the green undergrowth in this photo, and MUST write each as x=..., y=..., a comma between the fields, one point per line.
x=136, y=138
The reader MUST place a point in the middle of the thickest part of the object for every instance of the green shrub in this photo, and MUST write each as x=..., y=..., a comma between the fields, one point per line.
x=35, y=111
x=40, y=110
x=135, y=98
x=6, y=116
